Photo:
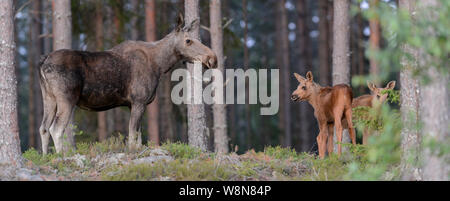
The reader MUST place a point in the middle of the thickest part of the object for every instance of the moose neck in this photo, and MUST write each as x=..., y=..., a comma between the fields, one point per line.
x=164, y=53
x=314, y=98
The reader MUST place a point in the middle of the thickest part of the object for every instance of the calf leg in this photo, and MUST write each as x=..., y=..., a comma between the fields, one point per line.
x=322, y=140
x=137, y=110
x=338, y=126
x=63, y=117
x=49, y=114
x=351, y=130
x=330, y=142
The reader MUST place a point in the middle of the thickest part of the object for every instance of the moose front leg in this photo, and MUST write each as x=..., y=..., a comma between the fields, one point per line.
x=134, y=134
x=322, y=140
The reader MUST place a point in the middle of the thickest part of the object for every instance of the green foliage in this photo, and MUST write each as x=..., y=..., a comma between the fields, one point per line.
x=383, y=151
x=181, y=151
x=177, y=169
x=279, y=152
x=38, y=158
x=426, y=30
x=393, y=95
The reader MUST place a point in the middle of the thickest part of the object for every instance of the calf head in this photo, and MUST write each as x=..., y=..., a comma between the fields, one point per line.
x=305, y=87
x=190, y=48
x=377, y=93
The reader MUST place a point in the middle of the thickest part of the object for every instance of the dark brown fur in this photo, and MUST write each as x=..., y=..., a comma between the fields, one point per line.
x=126, y=75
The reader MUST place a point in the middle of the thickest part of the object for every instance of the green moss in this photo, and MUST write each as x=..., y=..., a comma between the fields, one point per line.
x=181, y=151
x=281, y=153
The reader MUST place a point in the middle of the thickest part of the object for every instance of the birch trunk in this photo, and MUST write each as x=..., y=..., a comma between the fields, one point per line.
x=198, y=133
x=9, y=129
x=341, y=53
x=434, y=110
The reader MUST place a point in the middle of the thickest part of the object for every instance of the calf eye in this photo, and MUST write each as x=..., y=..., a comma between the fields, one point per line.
x=188, y=41
x=304, y=87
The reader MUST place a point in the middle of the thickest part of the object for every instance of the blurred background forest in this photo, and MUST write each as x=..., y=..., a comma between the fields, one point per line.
x=254, y=32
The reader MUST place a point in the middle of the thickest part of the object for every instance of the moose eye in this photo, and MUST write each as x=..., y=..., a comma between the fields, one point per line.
x=188, y=41
x=304, y=87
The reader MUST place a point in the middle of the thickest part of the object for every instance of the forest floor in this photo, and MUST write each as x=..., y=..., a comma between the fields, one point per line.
x=111, y=160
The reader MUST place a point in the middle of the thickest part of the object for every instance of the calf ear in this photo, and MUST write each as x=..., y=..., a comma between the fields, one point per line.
x=371, y=86
x=299, y=78
x=309, y=76
x=180, y=23
x=390, y=85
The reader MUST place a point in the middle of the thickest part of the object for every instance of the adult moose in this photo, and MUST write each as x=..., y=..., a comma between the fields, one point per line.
x=331, y=105
x=126, y=75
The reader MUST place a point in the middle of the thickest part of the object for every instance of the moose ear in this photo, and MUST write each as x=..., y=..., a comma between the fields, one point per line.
x=371, y=86
x=390, y=85
x=180, y=23
x=192, y=26
x=309, y=76
x=299, y=77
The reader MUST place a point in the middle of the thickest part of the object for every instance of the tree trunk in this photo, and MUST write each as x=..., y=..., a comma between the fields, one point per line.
x=101, y=116
x=167, y=121
x=62, y=39
x=9, y=133
x=134, y=19
x=324, y=48
x=62, y=25
x=34, y=99
x=374, y=43
x=283, y=62
x=303, y=41
x=153, y=109
x=219, y=110
x=341, y=54
x=409, y=97
x=434, y=111
x=197, y=131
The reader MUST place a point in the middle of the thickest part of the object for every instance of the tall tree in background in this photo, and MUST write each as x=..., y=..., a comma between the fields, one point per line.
x=409, y=107
x=219, y=110
x=150, y=35
x=167, y=119
x=62, y=25
x=374, y=43
x=62, y=39
x=101, y=116
x=248, y=121
x=324, y=45
x=304, y=65
x=9, y=133
x=283, y=63
x=434, y=108
x=197, y=131
x=35, y=51
x=341, y=46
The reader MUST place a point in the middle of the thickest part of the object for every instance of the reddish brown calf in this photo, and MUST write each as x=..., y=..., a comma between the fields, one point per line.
x=331, y=105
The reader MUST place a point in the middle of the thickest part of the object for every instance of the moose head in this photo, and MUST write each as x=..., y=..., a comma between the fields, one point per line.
x=305, y=87
x=377, y=93
x=190, y=48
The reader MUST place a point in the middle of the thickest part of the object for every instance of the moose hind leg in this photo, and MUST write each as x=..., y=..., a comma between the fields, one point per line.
x=137, y=110
x=351, y=129
x=47, y=119
x=64, y=112
x=330, y=143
